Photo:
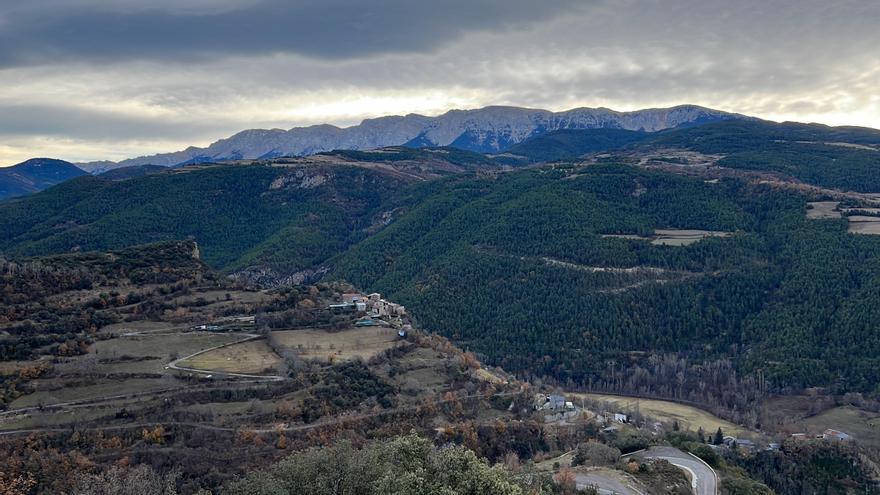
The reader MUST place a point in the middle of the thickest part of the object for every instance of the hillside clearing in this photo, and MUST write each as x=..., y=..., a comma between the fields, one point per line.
x=864, y=426
x=818, y=210
x=678, y=237
x=859, y=224
x=688, y=417
x=344, y=345
x=252, y=357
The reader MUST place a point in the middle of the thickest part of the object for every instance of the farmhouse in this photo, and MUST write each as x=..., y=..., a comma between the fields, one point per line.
x=353, y=297
x=373, y=304
x=552, y=403
x=343, y=307
x=742, y=443
x=382, y=308
x=837, y=435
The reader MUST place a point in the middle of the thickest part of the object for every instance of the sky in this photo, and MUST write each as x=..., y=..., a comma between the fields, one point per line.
x=85, y=80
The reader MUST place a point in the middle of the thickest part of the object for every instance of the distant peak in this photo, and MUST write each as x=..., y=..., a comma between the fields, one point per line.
x=489, y=129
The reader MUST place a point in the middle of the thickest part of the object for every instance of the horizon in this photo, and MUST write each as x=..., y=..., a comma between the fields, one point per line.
x=88, y=80
x=430, y=115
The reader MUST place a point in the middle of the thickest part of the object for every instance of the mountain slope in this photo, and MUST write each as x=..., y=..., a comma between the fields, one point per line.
x=572, y=143
x=845, y=158
x=519, y=268
x=281, y=219
x=35, y=175
x=490, y=129
x=558, y=270
x=124, y=173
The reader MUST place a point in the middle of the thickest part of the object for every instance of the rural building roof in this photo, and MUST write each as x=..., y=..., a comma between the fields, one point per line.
x=835, y=434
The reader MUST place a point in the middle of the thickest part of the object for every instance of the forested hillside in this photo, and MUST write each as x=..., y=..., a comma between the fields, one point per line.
x=847, y=158
x=572, y=272
x=35, y=175
x=516, y=268
x=275, y=217
x=572, y=143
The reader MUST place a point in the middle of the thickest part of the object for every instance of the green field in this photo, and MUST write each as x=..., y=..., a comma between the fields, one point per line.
x=688, y=417
x=862, y=425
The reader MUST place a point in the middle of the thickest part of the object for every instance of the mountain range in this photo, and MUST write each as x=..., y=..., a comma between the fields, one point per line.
x=35, y=175
x=491, y=129
x=577, y=244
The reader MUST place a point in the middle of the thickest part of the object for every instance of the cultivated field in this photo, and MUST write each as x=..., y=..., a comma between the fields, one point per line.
x=673, y=237
x=344, y=345
x=61, y=391
x=252, y=357
x=859, y=224
x=688, y=417
x=862, y=425
x=819, y=210
x=421, y=371
x=633, y=237
x=148, y=353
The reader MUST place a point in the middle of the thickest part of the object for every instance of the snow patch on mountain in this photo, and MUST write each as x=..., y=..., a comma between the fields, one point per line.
x=486, y=130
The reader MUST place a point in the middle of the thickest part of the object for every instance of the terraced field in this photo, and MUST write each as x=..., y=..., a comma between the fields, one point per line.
x=344, y=345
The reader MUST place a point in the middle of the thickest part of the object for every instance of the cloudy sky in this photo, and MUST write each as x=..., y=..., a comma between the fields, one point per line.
x=110, y=79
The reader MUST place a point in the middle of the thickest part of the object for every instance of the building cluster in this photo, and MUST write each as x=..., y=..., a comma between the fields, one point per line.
x=552, y=403
x=740, y=443
x=611, y=418
x=372, y=306
x=828, y=434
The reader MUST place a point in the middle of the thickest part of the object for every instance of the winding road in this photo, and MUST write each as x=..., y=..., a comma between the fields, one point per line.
x=704, y=479
x=607, y=482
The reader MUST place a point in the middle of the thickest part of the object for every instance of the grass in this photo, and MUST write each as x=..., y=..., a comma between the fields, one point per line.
x=859, y=224
x=252, y=357
x=823, y=209
x=421, y=371
x=688, y=417
x=237, y=296
x=144, y=326
x=165, y=347
x=345, y=345
x=672, y=237
x=54, y=419
x=102, y=388
x=862, y=425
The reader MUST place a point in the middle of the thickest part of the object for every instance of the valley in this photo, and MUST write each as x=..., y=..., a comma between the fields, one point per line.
x=663, y=289
x=483, y=247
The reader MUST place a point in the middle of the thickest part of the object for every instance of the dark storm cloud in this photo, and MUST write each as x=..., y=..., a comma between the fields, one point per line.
x=46, y=31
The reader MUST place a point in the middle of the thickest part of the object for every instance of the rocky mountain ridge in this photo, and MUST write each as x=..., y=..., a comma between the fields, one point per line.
x=485, y=130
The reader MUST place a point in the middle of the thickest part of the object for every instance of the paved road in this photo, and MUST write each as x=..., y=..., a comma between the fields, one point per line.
x=704, y=480
x=607, y=482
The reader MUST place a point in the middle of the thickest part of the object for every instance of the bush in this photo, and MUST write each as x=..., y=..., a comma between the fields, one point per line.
x=631, y=440
x=595, y=454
